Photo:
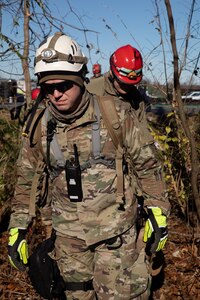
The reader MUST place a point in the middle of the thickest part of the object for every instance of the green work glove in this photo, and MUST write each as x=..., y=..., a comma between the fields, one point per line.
x=18, y=248
x=155, y=230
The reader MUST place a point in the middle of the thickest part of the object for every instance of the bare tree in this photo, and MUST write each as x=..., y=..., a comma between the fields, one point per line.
x=25, y=58
x=38, y=22
x=184, y=122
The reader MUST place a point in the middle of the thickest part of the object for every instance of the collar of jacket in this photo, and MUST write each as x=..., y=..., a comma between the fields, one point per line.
x=108, y=85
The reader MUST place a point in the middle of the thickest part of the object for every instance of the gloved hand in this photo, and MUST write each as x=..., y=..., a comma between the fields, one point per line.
x=18, y=248
x=155, y=230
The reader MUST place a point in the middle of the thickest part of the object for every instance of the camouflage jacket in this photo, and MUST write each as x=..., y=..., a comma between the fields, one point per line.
x=98, y=216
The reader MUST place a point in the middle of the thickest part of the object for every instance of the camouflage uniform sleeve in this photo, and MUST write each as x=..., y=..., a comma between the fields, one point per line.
x=26, y=165
x=145, y=163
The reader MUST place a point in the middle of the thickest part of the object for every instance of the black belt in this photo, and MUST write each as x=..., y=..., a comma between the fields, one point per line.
x=83, y=286
x=108, y=242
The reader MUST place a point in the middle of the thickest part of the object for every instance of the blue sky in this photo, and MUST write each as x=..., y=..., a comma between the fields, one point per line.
x=119, y=23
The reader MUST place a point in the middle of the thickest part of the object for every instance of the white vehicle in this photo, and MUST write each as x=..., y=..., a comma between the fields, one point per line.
x=194, y=96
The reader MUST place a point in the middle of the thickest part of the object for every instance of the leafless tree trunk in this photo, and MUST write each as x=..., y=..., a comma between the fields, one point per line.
x=163, y=50
x=25, y=58
x=184, y=121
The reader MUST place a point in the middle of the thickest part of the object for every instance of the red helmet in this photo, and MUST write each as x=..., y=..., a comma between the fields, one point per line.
x=34, y=93
x=96, y=69
x=126, y=65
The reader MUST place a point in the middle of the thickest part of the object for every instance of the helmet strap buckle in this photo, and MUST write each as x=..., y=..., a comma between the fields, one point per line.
x=70, y=58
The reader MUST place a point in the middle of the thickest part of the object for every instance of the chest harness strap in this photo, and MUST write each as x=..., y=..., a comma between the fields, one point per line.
x=106, y=106
x=111, y=120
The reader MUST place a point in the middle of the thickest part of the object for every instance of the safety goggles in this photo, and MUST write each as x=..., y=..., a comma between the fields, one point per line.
x=131, y=74
x=62, y=87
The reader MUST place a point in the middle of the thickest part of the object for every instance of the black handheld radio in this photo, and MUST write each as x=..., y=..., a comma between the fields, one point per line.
x=73, y=178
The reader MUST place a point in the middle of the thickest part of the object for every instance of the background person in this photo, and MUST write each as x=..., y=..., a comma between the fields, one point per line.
x=35, y=93
x=121, y=81
x=96, y=70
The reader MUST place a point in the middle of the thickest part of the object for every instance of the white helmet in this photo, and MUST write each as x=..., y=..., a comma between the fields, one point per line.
x=59, y=53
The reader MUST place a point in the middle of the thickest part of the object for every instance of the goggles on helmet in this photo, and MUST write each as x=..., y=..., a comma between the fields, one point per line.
x=62, y=87
x=131, y=74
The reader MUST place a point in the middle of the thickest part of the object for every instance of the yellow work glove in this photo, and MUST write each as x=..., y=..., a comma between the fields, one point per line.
x=155, y=230
x=18, y=248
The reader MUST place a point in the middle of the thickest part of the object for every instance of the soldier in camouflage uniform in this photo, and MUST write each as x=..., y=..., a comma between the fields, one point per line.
x=122, y=82
x=96, y=236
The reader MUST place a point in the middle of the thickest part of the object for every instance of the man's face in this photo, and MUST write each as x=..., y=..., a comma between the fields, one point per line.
x=121, y=88
x=65, y=95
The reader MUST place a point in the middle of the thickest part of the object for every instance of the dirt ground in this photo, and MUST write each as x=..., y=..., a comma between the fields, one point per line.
x=179, y=280
x=181, y=275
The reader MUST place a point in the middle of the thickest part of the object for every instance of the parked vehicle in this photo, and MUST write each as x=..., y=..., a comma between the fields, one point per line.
x=192, y=96
x=8, y=88
x=10, y=99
